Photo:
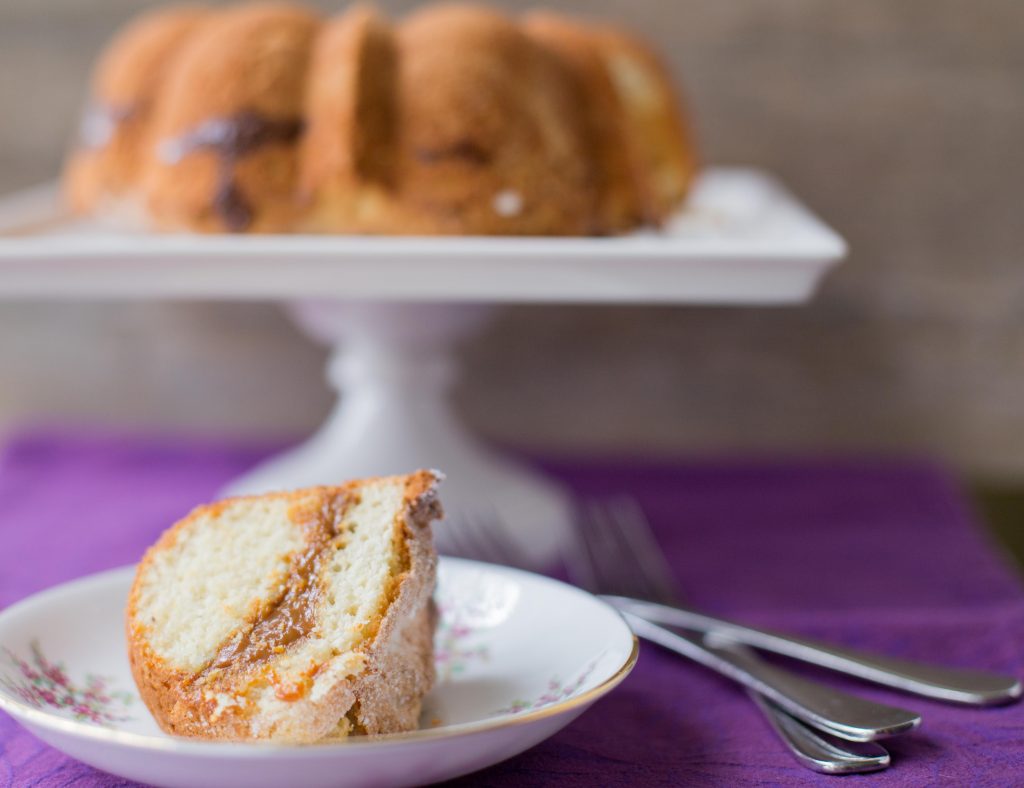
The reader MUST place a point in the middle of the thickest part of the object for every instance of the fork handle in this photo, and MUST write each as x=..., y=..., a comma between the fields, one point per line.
x=955, y=685
x=825, y=708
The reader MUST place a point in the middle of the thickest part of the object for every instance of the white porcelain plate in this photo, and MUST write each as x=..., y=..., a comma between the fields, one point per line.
x=519, y=656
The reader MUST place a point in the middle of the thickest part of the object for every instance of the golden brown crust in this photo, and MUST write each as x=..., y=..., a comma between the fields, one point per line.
x=389, y=695
x=383, y=697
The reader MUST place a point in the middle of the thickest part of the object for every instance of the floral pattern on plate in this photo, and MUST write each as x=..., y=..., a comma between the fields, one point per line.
x=44, y=684
x=556, y=691
x=454, y=650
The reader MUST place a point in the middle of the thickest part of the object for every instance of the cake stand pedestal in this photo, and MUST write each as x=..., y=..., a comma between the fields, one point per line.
x=392, y=309
x=392, y=365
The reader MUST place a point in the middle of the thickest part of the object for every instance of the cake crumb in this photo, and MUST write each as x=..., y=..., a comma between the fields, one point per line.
x=508, y=203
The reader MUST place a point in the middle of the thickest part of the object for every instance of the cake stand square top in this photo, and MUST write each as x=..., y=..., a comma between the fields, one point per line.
x=742, y=239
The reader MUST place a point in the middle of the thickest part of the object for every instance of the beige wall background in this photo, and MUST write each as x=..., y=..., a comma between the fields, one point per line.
x=901, y=123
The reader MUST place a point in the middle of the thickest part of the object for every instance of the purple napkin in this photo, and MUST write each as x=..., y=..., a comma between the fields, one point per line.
x=874, y=554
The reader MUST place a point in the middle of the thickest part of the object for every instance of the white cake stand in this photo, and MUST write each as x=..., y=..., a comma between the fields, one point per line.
x=392, y=309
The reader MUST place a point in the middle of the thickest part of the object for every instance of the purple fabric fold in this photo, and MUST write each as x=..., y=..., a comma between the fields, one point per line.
x=876, y=554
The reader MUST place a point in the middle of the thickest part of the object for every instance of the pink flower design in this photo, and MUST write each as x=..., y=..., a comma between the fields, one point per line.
x=452, y=655
x=556, y=691
x=45, y=684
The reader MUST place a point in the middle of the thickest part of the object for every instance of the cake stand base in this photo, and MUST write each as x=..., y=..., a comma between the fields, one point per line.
x=393, y=366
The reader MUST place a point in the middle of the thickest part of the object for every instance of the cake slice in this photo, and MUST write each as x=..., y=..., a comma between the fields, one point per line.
x=293, y=617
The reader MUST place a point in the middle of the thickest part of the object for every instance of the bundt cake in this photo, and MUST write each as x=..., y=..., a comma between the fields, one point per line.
x=455, y=120
x=292, y=617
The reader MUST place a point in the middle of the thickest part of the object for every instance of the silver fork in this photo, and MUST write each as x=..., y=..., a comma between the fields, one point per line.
x=629, y=525
x=620, y=557
x=487, y=541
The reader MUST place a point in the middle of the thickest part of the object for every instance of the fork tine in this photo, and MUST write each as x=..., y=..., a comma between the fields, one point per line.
x=641, y=581
x=595, y=548
x=460, y=539
x=484, y=539
x=477, y=546
x=498, y=545
x=618, y=554
x=452, y=540
x=579, y=556
x=618, y=571
x=636, y=532
x=615, y=566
